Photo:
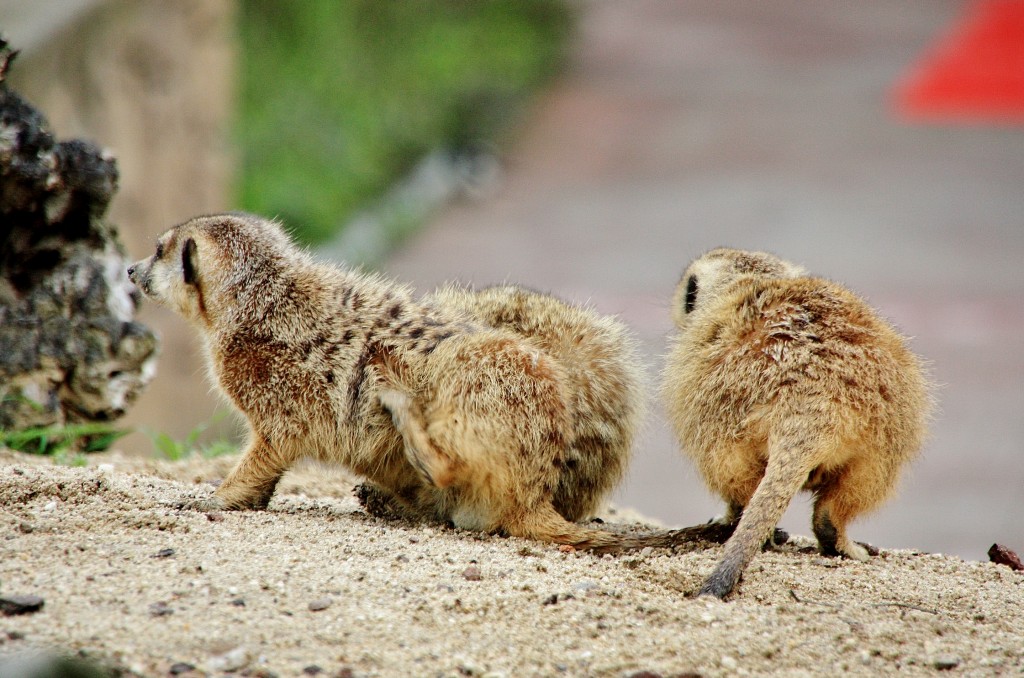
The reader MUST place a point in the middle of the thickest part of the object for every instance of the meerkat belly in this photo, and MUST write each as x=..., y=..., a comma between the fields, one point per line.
x=467, y=515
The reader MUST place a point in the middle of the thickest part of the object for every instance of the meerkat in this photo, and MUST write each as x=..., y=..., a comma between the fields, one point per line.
x=452, y=405
x=778, y=381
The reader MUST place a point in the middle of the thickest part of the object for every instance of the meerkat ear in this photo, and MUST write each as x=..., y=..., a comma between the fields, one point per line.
x=190, y=262
x=691, y=295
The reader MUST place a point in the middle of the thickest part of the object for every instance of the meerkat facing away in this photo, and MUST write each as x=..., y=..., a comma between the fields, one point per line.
x=455, y=418
x=778, y=381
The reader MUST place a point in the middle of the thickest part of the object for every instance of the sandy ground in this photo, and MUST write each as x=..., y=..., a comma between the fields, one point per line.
x=316, y=586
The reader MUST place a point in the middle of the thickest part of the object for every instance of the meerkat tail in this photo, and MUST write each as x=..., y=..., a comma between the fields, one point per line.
x=546, y=524
x=785, y=475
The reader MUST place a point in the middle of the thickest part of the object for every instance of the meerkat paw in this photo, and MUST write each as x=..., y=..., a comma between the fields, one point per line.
x=203, y=504
x=778, y=538
x=832, y=541
x=872, y=550
x=235, y=501
x=851, y=549
x=377, y=501
x=855, y=551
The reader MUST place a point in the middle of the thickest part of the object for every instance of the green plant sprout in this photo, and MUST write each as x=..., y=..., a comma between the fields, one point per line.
x=175, y=450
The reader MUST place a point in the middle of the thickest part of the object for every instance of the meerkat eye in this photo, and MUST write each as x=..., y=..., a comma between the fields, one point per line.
x=691, y=294
x=159, y=250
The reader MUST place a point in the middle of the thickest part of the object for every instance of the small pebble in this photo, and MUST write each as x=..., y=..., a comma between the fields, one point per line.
x=312, y=670
x=320, y=604
x=13, y=605
x=160, y=609
x=946, y=662
x=586, y=588
x=180, y=667
x=472, y=573
x=238, y=602
x=467, y=668
x=26, y=528
x=229, y=661
x=215, y=516
x=15, y=635
x=163, y=553
x=1001, y=555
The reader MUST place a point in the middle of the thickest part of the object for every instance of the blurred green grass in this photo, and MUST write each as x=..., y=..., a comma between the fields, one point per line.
x=340, y=99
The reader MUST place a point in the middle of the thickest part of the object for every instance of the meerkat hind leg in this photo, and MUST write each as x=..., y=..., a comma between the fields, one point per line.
x=434, y=466
x=854, y=490
x=833, y=539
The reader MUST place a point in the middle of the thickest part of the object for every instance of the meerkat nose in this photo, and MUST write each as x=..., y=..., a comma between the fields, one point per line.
x=131, y=271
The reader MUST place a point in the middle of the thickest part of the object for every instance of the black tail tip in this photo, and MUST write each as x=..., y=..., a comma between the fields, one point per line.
x=717, y=586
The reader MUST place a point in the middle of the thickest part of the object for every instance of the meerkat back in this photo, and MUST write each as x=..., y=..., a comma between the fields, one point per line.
x=777, y=382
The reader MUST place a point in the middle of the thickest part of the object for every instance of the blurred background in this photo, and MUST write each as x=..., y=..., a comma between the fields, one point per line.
x=592, y=149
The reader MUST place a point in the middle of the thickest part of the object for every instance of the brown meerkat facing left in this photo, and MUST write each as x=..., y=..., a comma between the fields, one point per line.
x=456, y=419
x=777, y=382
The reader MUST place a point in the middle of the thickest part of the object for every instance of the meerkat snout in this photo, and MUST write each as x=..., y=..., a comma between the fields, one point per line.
x=776, y=382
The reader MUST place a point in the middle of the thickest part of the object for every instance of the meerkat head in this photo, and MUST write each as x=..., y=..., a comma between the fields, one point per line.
x=198, y=261
x=708, y=276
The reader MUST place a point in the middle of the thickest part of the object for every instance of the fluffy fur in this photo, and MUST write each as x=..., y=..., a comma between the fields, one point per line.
x=777, y=382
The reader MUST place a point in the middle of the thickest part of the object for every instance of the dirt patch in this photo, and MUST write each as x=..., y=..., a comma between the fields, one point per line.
x=313, y=583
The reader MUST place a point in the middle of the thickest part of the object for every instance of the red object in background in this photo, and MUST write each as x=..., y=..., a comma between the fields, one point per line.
x=975, y=74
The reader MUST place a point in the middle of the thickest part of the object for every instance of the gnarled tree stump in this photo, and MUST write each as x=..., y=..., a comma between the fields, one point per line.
x=70, y=350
